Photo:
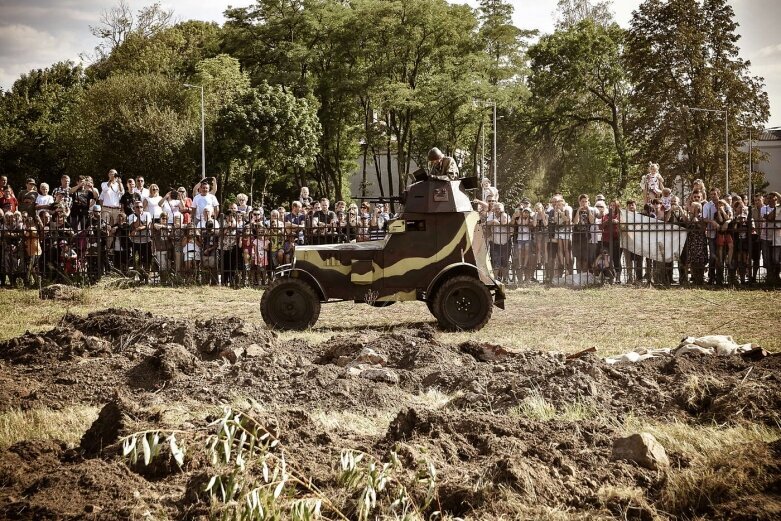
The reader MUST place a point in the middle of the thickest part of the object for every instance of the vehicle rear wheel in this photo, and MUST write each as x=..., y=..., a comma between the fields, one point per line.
x=462, y=303
x=290, y=304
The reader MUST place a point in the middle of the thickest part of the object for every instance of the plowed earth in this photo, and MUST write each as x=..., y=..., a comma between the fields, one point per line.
x=146, y=371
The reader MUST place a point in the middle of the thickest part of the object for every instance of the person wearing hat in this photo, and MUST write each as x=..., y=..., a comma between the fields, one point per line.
x=526, y=204
x=441, y=167
x=27, y=197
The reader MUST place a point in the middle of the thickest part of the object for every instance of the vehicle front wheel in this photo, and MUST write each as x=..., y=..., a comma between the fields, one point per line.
x=290, y=304
x=462, y=303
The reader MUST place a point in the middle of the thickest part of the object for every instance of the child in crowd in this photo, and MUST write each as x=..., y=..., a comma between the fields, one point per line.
x=603, y=267
x=32, y=250
x=652, y=183
x=260, y=245
x=191, y=250
x=724, y=242
x=667, y=199
x=44, y=201
x=540, y=224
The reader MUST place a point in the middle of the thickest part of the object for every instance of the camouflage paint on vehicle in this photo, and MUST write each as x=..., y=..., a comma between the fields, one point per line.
x=434, y=251
x=403, y=265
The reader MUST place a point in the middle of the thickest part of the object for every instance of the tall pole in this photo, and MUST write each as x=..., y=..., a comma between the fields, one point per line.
x=203, y=130
x=750, y=167
x=726, y=143
x=493, y=163
x=203, y=138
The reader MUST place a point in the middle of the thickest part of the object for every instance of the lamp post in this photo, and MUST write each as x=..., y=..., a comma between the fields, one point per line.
x=492, y=104
x=725, y=112
x=493, y=163
x=203, y=131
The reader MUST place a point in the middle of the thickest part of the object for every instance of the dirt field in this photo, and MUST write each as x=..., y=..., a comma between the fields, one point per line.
x=498, y=424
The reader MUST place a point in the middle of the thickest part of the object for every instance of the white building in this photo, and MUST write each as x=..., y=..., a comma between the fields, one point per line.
x=769, y=143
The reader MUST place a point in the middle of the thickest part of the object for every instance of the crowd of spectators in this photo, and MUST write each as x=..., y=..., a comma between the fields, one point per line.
x=127, y=227
x=81, y=230
x=725, y=235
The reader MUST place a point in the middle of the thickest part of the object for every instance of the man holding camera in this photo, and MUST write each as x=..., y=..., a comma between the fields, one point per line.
x=111, y=192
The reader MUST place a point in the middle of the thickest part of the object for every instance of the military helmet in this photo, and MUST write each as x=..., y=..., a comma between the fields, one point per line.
x=435, y=154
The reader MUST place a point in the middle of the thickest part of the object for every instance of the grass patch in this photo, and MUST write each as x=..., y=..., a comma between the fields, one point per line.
x=554, y=319
x=346, y=421
x=67, y=424
x=723, y=463
x=536, y=407
x=433, y=398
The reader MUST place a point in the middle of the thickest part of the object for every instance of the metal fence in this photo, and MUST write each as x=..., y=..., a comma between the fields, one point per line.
x=627, y=252
x=643, y=251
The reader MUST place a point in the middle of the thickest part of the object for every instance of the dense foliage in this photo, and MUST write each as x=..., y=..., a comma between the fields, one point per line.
x=317, y=91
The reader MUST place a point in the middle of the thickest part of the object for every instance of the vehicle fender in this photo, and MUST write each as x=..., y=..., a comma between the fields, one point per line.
x=289, y=270
x=485, y=278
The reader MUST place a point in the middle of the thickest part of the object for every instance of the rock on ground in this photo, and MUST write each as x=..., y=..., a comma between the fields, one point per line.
x=643, y=449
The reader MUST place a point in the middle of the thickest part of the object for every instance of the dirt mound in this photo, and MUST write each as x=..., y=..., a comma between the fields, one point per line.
x=535, y=427
x=479, y=454
x=116, y=418
x=60, y=343
x=45, y=480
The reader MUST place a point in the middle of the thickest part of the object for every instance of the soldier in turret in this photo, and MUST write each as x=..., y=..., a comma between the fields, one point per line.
x=442, y=167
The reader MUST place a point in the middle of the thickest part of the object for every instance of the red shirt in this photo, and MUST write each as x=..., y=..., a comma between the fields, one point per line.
x=187, y=205
x=8, y=204
x=609, y=227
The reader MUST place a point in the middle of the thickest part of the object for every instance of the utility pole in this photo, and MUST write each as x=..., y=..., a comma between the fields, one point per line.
x=203, y=130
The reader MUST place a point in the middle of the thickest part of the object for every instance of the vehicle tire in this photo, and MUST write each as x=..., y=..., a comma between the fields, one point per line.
x=289, y=304
x=462, y=303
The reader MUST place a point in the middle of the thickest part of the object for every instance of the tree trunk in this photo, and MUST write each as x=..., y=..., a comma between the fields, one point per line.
x=378, y=170
x=363, y=170
x=390, y=166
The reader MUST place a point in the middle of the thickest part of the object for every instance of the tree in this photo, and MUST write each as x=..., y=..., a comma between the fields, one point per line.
x=135, y=123
x=170, y=51
x=504, y=47
x=118, y=23
x=571, y=12
x=578, y=84
x=31, y=113
x=504, y=43
x=684, y=53
x=416, y=39
x=271, y=132
x=310, y=47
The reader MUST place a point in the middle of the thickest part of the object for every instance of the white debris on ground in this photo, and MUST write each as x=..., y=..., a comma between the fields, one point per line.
x=720, y=345
x=368, y=364
x=576, y=280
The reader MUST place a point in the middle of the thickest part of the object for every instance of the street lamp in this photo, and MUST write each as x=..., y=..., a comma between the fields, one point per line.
x=493, y=144
x=203, y=131
x=725, y=112
x=493, y=163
